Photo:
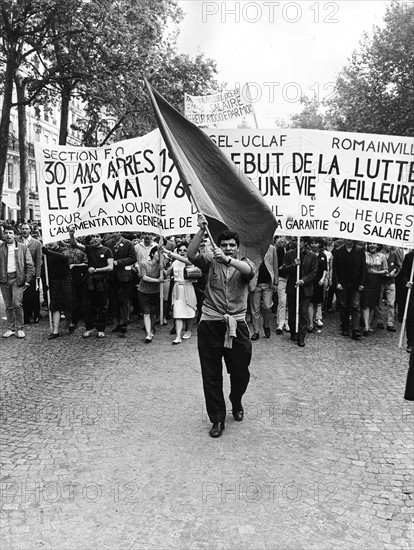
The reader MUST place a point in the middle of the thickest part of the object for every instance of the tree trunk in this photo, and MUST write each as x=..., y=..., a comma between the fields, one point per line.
x=23, y=147
x=64, y=113
x=11, y=67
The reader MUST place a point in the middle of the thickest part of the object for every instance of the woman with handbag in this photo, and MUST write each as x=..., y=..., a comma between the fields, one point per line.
x=184, y=300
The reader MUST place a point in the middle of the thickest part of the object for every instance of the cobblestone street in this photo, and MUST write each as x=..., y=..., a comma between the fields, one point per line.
x=105, y=445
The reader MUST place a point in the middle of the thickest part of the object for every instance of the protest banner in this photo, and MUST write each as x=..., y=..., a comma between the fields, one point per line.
x=323, y=183
x=131, y=185
x=207, y=110
x=330, y=183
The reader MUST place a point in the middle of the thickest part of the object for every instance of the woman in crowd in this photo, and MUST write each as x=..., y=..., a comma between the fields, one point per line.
x=376, y=265
x=60, y=287
x=282, y=246
x=184, y=300
x=315, y=306
x=149, y=291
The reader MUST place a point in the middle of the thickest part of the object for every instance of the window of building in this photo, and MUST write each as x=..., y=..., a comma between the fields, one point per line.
x=10, y=176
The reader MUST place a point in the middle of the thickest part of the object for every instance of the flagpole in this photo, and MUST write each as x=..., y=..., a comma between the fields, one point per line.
x=185, y=104
x=404, y=321
x=176, y=160
x=297, y=287
x=48, y=292
x=161, y=260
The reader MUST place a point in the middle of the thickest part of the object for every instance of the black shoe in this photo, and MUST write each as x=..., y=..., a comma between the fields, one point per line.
x=365, y=333
x=294, y=337
x=356, y=335
x=279, y=331
x=267, y=331
x=122, y=330
x=345, y=333
x=52, y=336
x=116, y=329
x=254, y=336
x=238, y=414
x=217, y=429
x=310, y=330
x=380, y=325
x=391, y=329
x=301, y=343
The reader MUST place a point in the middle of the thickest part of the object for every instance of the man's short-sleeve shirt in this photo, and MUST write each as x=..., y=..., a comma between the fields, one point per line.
x=226, y=289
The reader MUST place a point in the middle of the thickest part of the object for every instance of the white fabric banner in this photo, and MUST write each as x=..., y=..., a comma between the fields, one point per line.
x=212, y=109
x=330, y=183
x=317, y=183
x=131, y=185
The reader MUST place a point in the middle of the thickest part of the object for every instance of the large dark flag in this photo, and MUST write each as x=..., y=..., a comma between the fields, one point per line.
x=227, y=197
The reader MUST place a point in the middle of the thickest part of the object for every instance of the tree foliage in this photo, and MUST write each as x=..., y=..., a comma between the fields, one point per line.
x=311, y=117
x=99, y=51
x=375, y=91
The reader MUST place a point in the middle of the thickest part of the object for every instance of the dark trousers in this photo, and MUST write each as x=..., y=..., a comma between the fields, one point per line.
x=31, y=302
x=303, y=314
x=400, y=295
x=211, y=351
x=349, y=304
x=77, y=274
x=409, y=326
x=409, y=387
x=94, y=305
x=119, y=301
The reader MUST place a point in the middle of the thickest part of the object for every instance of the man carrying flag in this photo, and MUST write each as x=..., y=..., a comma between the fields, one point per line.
x=227, y=198
x=223, y=331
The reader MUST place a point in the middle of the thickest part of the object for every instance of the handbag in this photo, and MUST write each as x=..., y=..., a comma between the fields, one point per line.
x=191, y=272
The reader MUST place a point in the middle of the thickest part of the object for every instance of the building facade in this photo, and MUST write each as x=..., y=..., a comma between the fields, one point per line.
x=43, y=128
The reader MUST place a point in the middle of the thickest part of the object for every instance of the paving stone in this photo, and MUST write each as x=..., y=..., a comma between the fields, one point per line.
x=106, y=446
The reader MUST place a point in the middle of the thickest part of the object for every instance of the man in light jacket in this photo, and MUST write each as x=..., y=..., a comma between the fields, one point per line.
x=16, y=272
x=264, y=285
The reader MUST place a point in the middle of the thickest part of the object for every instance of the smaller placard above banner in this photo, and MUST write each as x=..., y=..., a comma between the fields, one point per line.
x=208, y=110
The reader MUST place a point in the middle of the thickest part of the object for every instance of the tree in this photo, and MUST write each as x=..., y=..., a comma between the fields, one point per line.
x=23, y=27
x=375, y=91
x=310, y=117
x=172, y=76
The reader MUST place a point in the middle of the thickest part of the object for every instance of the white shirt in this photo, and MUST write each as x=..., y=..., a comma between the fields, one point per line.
x=11, y=258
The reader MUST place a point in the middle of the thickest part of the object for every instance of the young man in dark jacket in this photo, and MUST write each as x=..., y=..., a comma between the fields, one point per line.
x=349, y=271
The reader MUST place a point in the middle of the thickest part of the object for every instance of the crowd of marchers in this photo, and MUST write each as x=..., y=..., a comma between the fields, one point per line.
x=105, y=280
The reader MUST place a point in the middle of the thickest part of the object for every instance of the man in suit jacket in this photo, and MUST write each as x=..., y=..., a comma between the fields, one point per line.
x=308, y=263
x=349, y=272
x=406, y=269
x=31, y=296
